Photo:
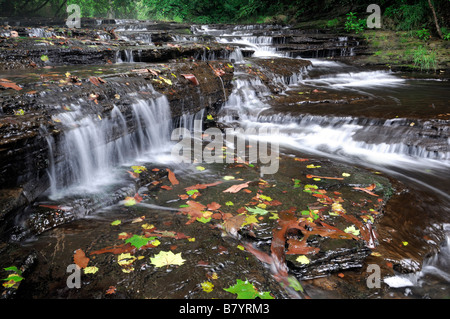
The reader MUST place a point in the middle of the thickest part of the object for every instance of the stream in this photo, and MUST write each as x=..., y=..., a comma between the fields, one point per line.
x=337, y=127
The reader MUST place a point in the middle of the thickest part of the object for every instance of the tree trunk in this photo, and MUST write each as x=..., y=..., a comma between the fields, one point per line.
x=435, y=19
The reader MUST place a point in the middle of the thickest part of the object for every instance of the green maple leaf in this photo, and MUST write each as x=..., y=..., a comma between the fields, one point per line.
x=246, y=290
x=256, y=210
x=203, y=220
x=166, y=258
x=139, y=241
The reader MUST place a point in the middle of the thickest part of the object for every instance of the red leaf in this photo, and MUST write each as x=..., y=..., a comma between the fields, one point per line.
x=191, y=78
x=166, y=187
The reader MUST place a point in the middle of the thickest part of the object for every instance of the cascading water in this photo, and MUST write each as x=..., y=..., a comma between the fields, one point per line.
x=395, y=144
x=89, y=151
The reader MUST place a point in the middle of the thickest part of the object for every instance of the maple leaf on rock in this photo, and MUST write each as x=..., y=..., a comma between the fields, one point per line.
x=166, y=258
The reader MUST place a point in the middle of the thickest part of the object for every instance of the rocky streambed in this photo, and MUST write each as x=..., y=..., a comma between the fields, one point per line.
x=96, y=107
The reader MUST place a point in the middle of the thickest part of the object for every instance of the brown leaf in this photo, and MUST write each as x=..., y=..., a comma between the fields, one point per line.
x=10, y=85
x=172, y=177
x=133, y=174
x=367, y=189
x=80, y=258
x=236, y=188
x=300, y=247
x=191, y=78
x=94, y=80
x=201, y=186
x=166, y=187
x=214, y=206
x=119, y=249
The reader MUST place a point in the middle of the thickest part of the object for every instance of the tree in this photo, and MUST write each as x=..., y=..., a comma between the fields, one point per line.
x=435, y=19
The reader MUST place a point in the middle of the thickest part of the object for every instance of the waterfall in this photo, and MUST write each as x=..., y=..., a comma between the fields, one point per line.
x=89, y=151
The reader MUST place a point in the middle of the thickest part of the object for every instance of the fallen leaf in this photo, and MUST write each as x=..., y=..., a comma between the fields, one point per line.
x=303, y=259
x=207, y=286
x=202, y=186
x=368, y=189
x=257, y=210
x=111, y=290
x=166, y=258
x=80, y=259
x=116, y=222
x=236, y=188
x=172, y=177
x=10, y=85
x=246, y=290
x=213, y=206
x=139, y=241
x=90, y=270
x=191, y=78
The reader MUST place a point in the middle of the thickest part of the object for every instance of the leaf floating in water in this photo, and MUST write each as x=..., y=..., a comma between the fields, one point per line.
x=44, y=58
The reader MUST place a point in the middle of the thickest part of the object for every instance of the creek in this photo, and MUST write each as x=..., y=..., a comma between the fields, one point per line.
x=368, y=124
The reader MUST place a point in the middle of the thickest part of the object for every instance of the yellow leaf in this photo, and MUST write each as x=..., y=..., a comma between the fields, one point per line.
x=303, y=259
x=90, y=270
x=207, y=286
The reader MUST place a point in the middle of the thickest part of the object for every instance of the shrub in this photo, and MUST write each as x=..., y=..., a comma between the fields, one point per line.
x=353, y=24
x=423, y=34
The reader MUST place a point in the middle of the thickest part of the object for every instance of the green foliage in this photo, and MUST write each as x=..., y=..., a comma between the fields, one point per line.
x=332, y=23
x=423, y=34
x=424, y=58
x=408, y=16
x=445, y=33
x=353, y=24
